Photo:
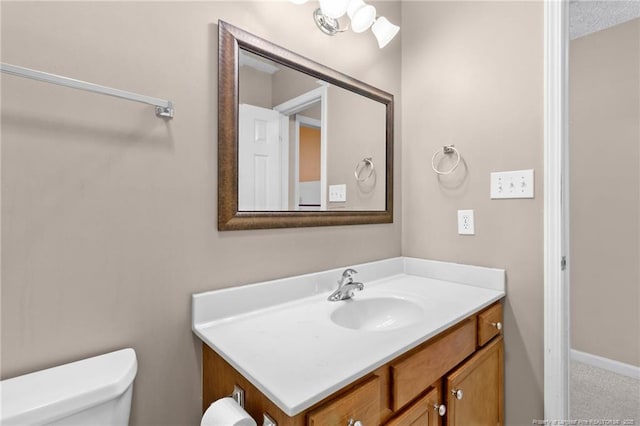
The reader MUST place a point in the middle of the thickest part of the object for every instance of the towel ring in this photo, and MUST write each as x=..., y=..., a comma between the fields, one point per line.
x=447, y=149
x=360, y=168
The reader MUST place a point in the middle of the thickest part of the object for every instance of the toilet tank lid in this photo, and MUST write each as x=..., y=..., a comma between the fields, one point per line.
x=54, y=393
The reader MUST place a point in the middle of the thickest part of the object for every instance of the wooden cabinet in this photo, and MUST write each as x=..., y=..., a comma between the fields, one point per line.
x=362, y=404
x=424, y=412
x=475, y=389
x=489, y=323
x=409, y=390
x=416, y=371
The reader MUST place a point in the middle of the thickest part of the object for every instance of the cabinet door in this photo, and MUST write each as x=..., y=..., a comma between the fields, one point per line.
x=423, y=412
x=362, y=404
x=475, y=389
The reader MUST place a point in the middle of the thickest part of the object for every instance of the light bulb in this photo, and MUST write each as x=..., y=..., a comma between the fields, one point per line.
x=384, y=31
x=362, y=15
x=334, y=8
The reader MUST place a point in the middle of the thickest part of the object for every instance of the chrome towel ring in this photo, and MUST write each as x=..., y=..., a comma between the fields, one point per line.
x=360, y=168
x=446, y=150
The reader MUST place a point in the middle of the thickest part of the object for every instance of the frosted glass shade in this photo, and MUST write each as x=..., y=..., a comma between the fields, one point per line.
x=384, y=31
x=362, y=15
x=334, y=8
x=298, y=1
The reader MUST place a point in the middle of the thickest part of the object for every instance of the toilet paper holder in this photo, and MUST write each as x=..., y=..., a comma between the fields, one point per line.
x=238, y=395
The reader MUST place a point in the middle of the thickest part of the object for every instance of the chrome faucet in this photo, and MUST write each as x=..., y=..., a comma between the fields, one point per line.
x=346, y=286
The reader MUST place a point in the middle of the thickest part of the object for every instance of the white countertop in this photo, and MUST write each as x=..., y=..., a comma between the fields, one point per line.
x=288, y=346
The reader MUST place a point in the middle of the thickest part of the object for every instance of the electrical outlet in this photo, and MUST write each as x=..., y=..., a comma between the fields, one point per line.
x=465, y=222
x=337, y=193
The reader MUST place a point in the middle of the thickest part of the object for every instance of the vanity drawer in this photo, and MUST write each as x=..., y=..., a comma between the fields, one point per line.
x=360, y=404
x=414, y=373
x=489, y=323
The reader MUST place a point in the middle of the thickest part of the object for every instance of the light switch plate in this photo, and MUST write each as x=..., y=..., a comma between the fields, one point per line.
x=515, y=184
x=338, y=193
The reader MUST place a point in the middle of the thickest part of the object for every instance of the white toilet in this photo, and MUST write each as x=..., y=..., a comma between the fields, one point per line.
x=94, y=391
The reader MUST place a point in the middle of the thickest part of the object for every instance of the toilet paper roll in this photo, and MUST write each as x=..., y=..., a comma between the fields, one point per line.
x=226, y=412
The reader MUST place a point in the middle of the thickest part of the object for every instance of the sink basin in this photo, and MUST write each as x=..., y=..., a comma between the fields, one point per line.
x=377, y=314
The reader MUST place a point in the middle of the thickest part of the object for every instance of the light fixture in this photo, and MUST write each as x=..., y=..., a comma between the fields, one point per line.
x=361, y=15
x=384, y=31
x=334, y=8
x=329, y=26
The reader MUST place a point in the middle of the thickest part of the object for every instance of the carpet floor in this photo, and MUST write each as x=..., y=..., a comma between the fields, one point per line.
x=598, y=396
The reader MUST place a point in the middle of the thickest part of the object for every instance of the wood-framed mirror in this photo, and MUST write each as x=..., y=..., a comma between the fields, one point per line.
x=299, y=144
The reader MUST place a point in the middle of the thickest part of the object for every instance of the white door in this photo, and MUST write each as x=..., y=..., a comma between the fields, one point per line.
x=261, y=169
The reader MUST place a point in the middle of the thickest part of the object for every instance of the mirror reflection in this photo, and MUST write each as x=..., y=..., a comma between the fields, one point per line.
x=304, y=144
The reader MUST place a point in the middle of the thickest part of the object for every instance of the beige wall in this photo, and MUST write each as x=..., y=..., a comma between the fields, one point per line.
x=289, y=83
x=605, y=192
x=109, y=213
x=255, y=88
x=356, y=130
x=472, y=75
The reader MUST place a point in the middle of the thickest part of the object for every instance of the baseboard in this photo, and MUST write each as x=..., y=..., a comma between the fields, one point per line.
x=606, y=364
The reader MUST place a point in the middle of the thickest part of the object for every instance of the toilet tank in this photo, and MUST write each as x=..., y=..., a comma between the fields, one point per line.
x=94, y=391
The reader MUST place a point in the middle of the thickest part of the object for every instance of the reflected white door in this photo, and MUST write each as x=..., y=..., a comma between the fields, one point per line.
x=261, y=169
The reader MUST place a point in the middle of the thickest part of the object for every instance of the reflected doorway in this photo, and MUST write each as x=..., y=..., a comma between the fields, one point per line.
x=308, y=153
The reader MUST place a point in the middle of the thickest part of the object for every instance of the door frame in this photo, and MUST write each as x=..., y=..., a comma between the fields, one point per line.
x=300, y=103
x=556, y=210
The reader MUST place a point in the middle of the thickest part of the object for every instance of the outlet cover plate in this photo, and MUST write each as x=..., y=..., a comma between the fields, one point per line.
x=466, y=224
x=338, y=193
x=515, y=184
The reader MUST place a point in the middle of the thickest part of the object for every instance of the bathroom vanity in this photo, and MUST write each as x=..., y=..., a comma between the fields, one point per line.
x=420, y=344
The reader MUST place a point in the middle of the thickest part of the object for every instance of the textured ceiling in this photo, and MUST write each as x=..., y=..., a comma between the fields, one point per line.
x=588, y=16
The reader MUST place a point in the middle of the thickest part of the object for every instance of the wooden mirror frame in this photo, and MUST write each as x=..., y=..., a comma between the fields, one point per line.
x=230, y=40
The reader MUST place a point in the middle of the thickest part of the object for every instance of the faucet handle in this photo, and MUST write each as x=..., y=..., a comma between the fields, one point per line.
x=347, y=276
x=348, y=273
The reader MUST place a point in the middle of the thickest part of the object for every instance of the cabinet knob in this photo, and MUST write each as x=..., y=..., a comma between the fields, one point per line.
x=441, y=409
x=353, y=422
x=497, y=325
x=457, y=393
